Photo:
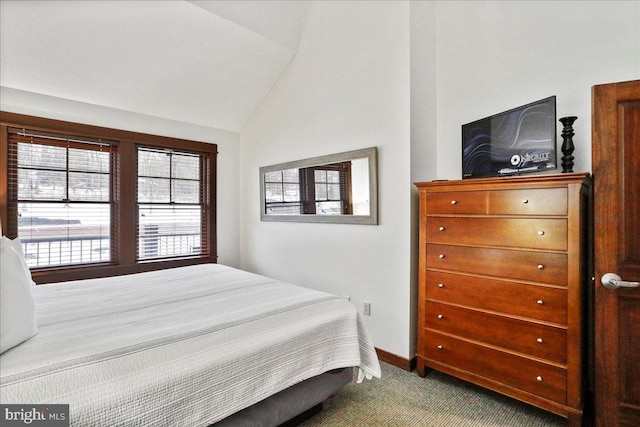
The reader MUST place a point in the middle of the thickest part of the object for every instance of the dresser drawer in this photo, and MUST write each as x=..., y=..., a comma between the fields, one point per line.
x=519, y=299
x=541, y=267
x=535, y=201
x=532, y=339
x=533, y=233
x=542, y=379
x=460, y=202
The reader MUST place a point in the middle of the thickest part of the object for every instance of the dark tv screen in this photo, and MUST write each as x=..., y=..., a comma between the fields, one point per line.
x=518, y=141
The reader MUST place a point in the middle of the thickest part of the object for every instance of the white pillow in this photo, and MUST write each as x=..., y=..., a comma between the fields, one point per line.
x=17, y=309
x=16, y=245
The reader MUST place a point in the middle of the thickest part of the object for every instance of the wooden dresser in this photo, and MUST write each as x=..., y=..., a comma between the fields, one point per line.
x=503, y=279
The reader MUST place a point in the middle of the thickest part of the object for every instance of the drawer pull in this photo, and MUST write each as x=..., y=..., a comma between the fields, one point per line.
x=453, y=202
x=539, y=378
x=525, y=201
x=441, y=285
x=440, y=316
x=439, y=347
x=540, y=340
x=540, y=267
x=441, y=228
x=540, y=302
x=541, y=233
x=441, y=256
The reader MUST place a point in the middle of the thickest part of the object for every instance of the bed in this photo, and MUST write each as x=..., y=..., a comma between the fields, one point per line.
x=188, y=346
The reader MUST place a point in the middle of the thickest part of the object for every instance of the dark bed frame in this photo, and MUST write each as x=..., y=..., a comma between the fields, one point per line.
x=292, y=405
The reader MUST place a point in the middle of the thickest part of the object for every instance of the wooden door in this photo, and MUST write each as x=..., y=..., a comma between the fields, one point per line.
x=616, y=174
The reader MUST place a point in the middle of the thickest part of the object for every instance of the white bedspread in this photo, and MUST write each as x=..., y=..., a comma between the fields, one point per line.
x=181, y=347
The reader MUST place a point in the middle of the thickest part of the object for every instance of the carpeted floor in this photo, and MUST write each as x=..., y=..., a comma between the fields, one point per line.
x=403, y=399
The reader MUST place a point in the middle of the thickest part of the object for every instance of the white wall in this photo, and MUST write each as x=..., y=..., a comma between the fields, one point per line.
x=22, y=102
x=496, y=55
x=360, y=194
x=424, y=119
x=347, y=88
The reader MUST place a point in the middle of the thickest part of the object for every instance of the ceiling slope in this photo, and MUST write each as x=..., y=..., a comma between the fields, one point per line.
x=200, y=62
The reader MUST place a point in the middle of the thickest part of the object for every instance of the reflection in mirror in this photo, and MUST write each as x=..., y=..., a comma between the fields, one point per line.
x=338, y=188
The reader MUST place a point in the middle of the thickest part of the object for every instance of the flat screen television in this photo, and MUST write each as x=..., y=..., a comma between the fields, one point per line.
x=518, y=141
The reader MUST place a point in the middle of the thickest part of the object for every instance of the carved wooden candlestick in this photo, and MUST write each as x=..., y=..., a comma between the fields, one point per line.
x=567, y=143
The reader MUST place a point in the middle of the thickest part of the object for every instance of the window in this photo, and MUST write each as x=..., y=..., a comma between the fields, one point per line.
x=332, y=184
x=61, y=195
x=171, y=206
x=320, y=190
x=88, y=201
x=282, y=189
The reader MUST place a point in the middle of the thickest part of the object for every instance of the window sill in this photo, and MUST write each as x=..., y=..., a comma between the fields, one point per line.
x=93, y=271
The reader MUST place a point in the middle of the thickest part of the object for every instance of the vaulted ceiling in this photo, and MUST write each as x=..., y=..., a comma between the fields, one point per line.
x=209, y=63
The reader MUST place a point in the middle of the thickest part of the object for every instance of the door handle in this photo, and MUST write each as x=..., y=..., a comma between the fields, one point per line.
x=613, y=281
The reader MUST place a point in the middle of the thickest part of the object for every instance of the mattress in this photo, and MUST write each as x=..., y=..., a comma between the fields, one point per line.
x=185, y=346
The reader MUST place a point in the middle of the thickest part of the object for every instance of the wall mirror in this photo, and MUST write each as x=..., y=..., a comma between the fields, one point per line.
x=337, y=188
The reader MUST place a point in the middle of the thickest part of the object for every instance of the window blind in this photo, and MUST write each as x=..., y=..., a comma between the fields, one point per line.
x=283, y=192
x=172, y=203
x=60, y=197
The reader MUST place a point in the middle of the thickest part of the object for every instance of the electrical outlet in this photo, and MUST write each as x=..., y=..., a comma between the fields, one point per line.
x=367, y=309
